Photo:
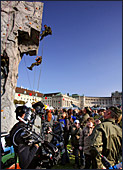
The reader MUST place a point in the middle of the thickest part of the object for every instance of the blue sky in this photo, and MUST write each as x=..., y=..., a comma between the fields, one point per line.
x=84, y=53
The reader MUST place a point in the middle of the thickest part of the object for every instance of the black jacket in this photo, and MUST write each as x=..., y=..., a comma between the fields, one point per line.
x=25, y=153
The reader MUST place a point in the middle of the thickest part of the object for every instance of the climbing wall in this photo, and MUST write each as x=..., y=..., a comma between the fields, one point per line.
x=20, y=34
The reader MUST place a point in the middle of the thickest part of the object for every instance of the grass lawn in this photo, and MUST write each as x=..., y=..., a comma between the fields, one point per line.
x=68, y=165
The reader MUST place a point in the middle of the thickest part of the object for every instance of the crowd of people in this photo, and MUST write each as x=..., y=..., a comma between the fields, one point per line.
x=90, y=133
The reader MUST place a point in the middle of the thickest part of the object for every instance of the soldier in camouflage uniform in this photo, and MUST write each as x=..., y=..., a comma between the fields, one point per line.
x=46, y=32
x=106, y=139
x=37, y=63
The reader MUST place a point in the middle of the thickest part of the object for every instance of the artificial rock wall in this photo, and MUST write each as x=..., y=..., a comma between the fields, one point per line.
x=20, y=34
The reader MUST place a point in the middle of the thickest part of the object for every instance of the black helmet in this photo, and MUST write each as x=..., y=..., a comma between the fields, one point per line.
x=20, y=110
x=38, y=107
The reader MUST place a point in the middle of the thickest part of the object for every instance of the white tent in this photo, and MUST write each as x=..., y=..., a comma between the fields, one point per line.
x=51, y=108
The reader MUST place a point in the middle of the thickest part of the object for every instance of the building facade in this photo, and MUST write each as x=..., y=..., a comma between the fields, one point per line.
x=59, y=100
x=24, y=95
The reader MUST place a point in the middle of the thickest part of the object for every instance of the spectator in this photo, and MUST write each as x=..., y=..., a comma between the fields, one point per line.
x=75, y=136
x=79, y=117
x=49, y=124
x=84, y=117
x=106, y=139
x=84, y=142
x=66, y=126
x=56, y=115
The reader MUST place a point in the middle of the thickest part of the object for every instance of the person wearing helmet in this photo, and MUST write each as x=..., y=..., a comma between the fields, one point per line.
x=46, y=32
x=75, y=136
x=24, y=152
x=37, y=63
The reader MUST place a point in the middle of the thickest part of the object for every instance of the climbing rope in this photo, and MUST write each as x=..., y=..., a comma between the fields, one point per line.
x=40, y=67
x=27, y=73
x=34, y=78
x=42, y=57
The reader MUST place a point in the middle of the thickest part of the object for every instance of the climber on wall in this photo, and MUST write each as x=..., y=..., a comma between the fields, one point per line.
x=46, y=32
x=4, y=69
x=37, y=63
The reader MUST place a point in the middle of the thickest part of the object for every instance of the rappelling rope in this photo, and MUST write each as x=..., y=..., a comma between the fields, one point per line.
x=40, y=67
x=34, y=78
x=27, y=73
x=42, y=57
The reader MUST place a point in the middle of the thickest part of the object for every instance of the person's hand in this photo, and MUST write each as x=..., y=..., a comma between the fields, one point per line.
x=37, y=146
x=80, y=147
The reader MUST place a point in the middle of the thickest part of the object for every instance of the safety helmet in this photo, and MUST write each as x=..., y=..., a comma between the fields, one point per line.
x=20, y=110
x=38, y=107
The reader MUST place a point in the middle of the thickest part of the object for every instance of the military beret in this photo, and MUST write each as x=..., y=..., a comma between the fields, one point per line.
x=115, y=110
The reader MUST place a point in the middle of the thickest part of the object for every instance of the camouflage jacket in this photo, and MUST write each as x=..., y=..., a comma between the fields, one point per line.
x=84, y=120
x=75, y=136
x=106, y=138
x=84, y=139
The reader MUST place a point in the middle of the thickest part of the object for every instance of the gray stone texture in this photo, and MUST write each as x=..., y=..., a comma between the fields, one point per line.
x=20, y=34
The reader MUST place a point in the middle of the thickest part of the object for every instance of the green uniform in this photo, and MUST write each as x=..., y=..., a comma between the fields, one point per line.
x=46, y=32
x=106, y=138
x=37, y=63
x=75, y=136
x=84, y=120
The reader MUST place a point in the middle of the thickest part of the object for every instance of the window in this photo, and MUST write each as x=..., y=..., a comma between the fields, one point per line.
x=24, y=92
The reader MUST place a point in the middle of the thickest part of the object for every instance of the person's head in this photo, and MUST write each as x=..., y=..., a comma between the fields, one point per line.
x=56, y=112
x=77, y=123
x=74, y=112
x=80, y=112
x=64, y=114
x=70, y=111
x=112, y=112
x=49, y=116
x=21, y=111
x=101, y=112
x=90, y=122
x=86, y=110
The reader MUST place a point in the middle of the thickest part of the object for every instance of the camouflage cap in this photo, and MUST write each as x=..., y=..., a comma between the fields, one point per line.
x=115, y=110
